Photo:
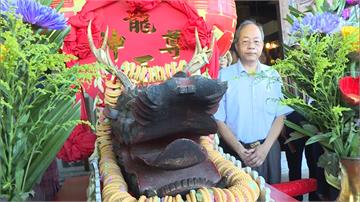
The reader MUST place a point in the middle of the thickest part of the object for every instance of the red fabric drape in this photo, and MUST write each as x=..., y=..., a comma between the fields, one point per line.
x=80, y=143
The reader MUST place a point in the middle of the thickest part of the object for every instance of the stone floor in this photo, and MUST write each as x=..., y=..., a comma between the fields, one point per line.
x=285, y=169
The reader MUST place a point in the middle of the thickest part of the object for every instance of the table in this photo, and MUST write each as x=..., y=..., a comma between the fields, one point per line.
x=279, y=196
x=74, y=189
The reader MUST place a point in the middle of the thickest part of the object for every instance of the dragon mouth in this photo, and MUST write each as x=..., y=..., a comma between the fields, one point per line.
x=150, y=180
x=183, y=187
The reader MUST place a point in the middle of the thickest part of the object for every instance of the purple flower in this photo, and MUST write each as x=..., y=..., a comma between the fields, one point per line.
x=352, y=2
x=320, y=23
x=4, y=5
x=36, y=14
x=346, y=13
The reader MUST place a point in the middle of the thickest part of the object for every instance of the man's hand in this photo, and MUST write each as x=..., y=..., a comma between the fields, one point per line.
x=258, y=157
x=245, y=154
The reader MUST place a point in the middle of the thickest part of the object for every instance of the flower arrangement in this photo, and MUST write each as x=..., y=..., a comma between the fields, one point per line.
x=37, y=108
x=320, y=66
x=41, y=18
x=36, y=14
x=320, y=22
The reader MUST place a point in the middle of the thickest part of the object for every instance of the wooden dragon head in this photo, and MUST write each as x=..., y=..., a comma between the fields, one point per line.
x=156, y=128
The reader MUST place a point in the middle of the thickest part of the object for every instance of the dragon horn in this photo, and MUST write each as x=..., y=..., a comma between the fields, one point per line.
x=102, y=55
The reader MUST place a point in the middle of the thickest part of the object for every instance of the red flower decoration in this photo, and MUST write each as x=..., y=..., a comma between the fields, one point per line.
x=81, y=142
x=76, y=42
x=142, y=6
x=79, y=145
x=349, y=87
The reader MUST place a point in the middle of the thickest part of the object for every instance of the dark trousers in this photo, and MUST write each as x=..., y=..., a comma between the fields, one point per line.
x=271, y=167
x=294, y=160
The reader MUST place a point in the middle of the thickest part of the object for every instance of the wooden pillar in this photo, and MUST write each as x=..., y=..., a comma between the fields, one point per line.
x=285, y=26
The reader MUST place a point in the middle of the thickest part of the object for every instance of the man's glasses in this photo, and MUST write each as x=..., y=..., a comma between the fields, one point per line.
x=246, y=43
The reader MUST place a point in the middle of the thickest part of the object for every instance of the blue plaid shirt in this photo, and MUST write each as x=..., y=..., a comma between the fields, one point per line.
x=251, y=103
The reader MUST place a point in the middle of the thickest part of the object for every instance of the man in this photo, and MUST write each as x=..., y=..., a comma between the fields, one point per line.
x=250, y=116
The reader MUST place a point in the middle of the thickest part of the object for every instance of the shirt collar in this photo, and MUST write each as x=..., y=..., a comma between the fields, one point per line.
x=241, y=69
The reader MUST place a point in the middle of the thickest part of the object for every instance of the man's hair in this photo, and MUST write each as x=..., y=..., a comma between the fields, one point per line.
x=233, y=48
x=244, y=24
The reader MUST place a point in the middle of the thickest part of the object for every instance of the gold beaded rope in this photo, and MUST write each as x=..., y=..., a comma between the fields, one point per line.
x=241, y=186
x=145, y=74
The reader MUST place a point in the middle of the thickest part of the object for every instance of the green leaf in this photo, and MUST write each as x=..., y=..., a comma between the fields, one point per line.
x=341, y=7
x=326, y=7
x=294, y=12
x=4, y=88
x=45, y=2
x=19, y=147
x=352, y=145
x=334, y=6
x=319, y=5
x=330, y=162
x=294, y=136
x=319, y=138
x=53, y=34
x=39, y=30
x=23, y=119
x=60, y=38
x=333, y=138
x=311, y=128
x=289, y=19
x=332, y=180
x=353, y=70
x=19, y=174
x=58, y=7
x=62, y=107
x=298, y=128
x=51, y=147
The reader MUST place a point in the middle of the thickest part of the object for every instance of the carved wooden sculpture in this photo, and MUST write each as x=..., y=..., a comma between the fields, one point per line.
x=156, y=129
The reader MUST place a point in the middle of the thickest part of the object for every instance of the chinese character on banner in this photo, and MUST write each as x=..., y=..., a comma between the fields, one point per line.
x=140, y=22
x=172, y=43
x=115, y=42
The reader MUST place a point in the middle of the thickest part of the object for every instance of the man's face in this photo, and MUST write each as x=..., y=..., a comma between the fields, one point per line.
x=250, y=44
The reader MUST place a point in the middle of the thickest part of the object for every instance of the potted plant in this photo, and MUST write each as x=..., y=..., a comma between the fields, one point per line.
x=319, y=66
x=37, y=102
